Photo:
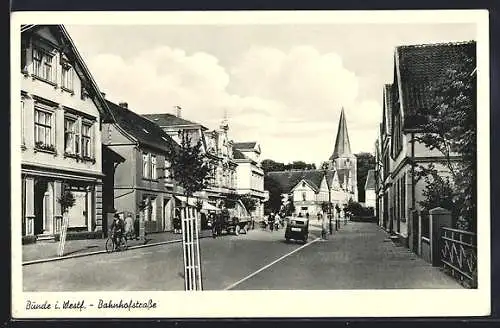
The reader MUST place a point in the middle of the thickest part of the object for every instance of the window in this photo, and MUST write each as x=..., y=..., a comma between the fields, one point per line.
x=67, y=77
x=145, y=165
x=70, y=136
x=303, y=184
x=42, y=64
x=153, y=167
x=167, y=173
x=43, y=128
x=86, y=140
x=304, y=208
x=303, y=195
x=403, y=196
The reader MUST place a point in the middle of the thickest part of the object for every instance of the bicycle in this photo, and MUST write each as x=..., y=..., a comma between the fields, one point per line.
x=110, y=244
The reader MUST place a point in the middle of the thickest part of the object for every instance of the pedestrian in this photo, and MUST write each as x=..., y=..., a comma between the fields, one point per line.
x=324, y=227
x=137, y=226
x=319, y=216
x=129, y=226
x=270, y=221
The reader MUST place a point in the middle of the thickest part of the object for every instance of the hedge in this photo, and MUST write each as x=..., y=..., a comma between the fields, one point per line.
x=29, y=239
x=82, y=235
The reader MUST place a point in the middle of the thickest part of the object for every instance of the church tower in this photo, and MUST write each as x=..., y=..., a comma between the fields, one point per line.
x=343, y=160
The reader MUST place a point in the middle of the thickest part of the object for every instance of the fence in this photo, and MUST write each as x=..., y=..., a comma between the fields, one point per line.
x=459, y=255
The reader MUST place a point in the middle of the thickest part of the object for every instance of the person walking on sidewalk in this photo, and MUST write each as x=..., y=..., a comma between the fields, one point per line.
x=324, y=227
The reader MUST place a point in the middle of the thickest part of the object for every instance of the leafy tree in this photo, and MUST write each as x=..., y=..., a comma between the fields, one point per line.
x=450, y=127
x=268, y=165
x=275, y=191
x=189, y=168
x=365, y=162
x=67, y=200
x=438, y=191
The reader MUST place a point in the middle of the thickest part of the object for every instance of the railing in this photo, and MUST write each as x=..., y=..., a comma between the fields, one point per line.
x=459, y=255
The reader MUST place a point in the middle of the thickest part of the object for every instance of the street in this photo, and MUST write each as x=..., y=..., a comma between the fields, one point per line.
x=356, y=257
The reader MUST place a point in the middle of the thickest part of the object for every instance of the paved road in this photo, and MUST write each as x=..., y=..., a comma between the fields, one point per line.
x=357, y=257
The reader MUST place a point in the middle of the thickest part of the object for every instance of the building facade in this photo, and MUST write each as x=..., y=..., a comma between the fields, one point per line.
x=143, y=183
x=61, y=113
x=416, y=68
x=370, y=198
x=249, y=174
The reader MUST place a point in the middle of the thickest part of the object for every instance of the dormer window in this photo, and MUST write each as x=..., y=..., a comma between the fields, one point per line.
x=303, y=184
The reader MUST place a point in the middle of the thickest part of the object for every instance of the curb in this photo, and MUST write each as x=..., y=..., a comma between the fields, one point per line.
x=53, y=259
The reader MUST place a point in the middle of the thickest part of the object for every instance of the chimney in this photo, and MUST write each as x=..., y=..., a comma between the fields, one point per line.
x=178, y=111
x=123, y=104
x=103, y=94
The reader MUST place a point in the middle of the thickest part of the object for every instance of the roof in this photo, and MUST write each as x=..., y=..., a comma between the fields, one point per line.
x=238, y=154
x=245, y=145
x=422, y=66
x=145, y=131
x=287, y=180
x=166, y=119
x=370, y=180
x=70, y=50
x=342, y=144
x=110, y=154
x=388, y=105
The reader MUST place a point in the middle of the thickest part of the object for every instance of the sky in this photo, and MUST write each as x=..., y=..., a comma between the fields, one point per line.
x=282, y=86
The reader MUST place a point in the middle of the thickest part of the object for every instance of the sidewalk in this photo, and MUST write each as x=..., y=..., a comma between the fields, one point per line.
x=48, y=249
x=362, y=256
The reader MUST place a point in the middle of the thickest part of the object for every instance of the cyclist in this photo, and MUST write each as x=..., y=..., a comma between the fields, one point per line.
x=117, y=230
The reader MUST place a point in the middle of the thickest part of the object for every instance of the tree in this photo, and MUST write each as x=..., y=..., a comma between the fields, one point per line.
x=365, y=162
x=189, y=168
x=450, y=127
x=67, y=200
x=268, y=165
x=438, y=191
x=249, y=203
x=275, y=191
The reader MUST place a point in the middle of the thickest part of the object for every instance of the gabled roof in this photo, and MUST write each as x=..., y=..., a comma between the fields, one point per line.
x=387, y=108
x=68, y=47
x=342, y=144
x=168, y=120
x=287, y=180
x=143, y=130
x=420, y=66
x=370, y=180
x=238, y=154
x=330, y=175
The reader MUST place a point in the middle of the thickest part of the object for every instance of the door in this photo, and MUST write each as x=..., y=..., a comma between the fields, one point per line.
x=77, y=214
x=415, y=232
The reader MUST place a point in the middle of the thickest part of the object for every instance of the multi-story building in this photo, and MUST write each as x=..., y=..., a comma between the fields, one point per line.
x=142, y=183
x=416, y=68
x=250, y=176
x=216, y=146
x=61, y=119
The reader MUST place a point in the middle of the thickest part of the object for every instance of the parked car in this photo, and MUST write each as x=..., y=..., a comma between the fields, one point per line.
x=297, y=228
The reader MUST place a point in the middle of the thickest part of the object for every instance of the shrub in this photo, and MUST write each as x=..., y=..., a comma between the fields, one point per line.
x=82, y=235
x=29, y=240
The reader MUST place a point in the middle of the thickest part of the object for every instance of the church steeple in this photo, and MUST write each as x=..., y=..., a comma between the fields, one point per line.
x=342, y=145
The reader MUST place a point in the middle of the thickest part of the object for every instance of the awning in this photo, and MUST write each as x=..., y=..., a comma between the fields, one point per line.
x=191, y=200
x=209, y=207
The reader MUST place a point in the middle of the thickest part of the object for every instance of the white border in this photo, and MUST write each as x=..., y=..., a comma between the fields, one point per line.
x=347, y=303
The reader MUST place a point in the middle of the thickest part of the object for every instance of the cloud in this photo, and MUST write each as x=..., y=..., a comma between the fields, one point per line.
x=289, y=101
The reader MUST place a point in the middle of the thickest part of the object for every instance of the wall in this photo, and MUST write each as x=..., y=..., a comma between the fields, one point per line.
x=297, y=193
x=370, y=198
x=60, y=99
